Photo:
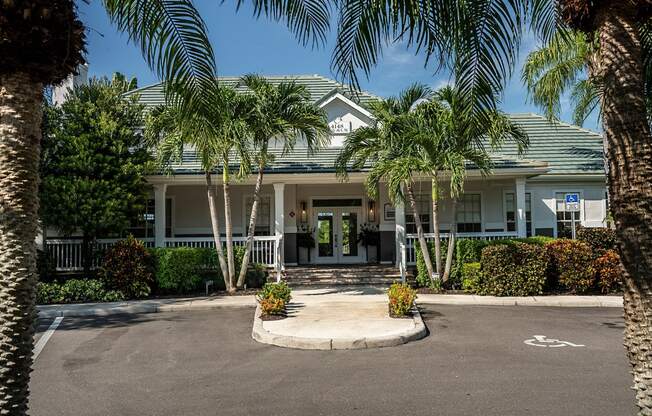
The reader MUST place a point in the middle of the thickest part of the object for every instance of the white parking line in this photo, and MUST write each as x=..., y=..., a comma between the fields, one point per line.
x=46, y=336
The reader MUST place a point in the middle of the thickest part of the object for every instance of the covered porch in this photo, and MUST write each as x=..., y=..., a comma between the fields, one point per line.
x=318, y=207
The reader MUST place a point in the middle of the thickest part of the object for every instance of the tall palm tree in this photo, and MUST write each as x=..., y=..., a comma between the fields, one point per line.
x=217, y=130
x=562, y=65
x=480, y=39
x=283, y=113
x=41, y=42
x=396, y=153
x=465, y=135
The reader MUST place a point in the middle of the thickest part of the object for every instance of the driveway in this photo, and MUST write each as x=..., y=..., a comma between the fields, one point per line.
x=474, y=362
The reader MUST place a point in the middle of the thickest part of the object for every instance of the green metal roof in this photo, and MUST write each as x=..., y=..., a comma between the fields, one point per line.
x=318, y=86
x=565, y=149
x=323, y=161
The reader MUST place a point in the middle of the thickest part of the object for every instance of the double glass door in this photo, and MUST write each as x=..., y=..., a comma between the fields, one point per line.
x=337, y=234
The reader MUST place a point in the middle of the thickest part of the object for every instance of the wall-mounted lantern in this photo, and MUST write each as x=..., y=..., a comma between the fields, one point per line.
x=304, y=214
x=372, y=210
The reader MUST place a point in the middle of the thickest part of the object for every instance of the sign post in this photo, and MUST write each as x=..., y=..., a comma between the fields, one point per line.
x=572, y=201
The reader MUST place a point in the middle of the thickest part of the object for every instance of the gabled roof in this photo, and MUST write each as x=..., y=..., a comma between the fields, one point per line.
x=317, y=85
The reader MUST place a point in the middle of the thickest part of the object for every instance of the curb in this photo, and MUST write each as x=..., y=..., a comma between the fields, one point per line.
x=260, y=334
x=144, y=307
x=541, y=301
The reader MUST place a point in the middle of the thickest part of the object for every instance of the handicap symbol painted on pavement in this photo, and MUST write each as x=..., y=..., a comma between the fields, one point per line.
x=543, y=341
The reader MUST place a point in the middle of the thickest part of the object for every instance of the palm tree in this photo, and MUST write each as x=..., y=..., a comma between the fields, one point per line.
x=480, y=39
x=283, y=113
x=463, y=133
x=216, y=130
x=41, y=43
x=561, y=66
x=395, y=151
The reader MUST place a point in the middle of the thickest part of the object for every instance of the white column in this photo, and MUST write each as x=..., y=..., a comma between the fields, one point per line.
x=520, y=207
x=159, y=215
x=279, y=226
x=400, y=238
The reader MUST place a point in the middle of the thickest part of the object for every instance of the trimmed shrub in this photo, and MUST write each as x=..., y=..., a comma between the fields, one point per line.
x=272, y=306
x=75, y=291
x=517, y=269
x=571, y=263
x=599, y=239
x=129, y=268
x=401, y=299
x=278, y=290
x=471, y=276
x=422, y=278
x=179, y=270
x=608, y=271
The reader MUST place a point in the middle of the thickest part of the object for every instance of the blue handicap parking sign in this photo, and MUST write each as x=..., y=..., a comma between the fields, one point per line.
x=572, y=198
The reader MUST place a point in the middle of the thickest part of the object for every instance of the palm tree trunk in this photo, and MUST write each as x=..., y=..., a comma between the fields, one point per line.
x=421, y=237
x=228, y=225
x=215, y=224
x=20, y=135
x=629, y=157
x=451, y=243
x=252, y=226
x=435, y=223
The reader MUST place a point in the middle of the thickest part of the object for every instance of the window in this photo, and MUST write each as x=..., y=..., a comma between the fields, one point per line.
x=263, y=215
x=143, y=226
x=423, y=207
x=469, y=217
x=565, y=217
x=510, y=212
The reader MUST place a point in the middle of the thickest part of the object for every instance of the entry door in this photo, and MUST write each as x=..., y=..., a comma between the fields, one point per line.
x=337, y=235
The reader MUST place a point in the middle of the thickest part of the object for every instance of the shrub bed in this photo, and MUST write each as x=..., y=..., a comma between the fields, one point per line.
x=517, y=269
x=129, y=268
x=401, y=299
x=608, y=271
x=471, y=276
x=76, y=291
x=599, y=239
x=571, y=262
x=273, y=298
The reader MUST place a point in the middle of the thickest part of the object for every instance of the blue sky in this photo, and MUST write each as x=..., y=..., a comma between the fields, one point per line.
x=244, y=45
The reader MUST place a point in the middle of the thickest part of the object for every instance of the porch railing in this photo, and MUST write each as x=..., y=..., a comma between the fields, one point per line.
x=412, y=242
x=67, y=253
x=263, y=250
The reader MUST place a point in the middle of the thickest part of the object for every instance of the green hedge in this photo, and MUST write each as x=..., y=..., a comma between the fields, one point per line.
x=515, y=269
x=599, y=239
x=184, y=269
x=571, y=264
x=471, y=276
x=76, y=291
x=466, y=251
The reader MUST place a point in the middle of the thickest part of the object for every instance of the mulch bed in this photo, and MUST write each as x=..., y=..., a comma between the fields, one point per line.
x=272, y=317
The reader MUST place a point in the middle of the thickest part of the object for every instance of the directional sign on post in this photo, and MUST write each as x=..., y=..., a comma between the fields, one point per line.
x=572, y=202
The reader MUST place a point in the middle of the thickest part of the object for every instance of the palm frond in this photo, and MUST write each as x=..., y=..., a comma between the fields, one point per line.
x=173, y=39
x=309, y=20
x=555, y=68
x=585, y=97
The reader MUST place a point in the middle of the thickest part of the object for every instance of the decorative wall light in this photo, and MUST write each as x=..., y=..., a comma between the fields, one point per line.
x=304, y=214
x=372, y=211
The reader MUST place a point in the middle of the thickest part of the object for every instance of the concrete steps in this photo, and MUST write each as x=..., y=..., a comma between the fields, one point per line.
x=339, y=275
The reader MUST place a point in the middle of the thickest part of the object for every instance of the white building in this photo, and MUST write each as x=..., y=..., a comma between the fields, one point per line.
x=524, y=196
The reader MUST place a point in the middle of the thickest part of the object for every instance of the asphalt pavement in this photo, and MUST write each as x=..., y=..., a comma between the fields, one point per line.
x=477, y=360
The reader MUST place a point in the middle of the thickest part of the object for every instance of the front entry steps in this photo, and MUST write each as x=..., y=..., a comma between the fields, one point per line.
x=339, y=275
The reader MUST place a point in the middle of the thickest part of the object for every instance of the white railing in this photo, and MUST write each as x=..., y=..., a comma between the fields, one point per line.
x=67, y=253
x=412, y=242
x=263, y=250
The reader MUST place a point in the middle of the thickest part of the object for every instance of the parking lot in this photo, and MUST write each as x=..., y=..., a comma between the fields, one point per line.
x=476, y=361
